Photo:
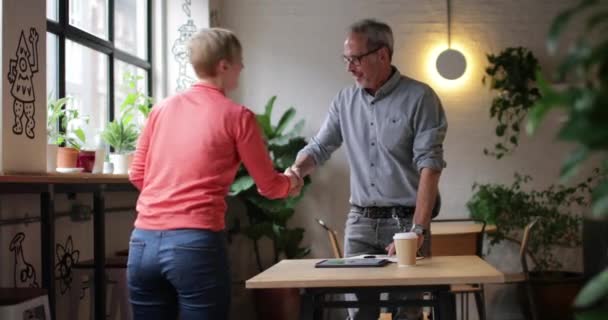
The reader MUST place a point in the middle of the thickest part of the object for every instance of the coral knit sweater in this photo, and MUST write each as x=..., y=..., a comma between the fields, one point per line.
x=187, y=158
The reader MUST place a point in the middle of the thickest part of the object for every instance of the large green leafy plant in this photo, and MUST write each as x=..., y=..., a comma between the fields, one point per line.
x=512, y=207
x=512, y=74
x=269, y=218
x=585, y=102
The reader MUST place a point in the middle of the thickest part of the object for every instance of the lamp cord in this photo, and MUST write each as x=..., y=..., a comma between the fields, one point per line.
x=449, y=14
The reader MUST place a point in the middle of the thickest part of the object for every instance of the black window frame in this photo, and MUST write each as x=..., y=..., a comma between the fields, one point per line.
x=63, y=30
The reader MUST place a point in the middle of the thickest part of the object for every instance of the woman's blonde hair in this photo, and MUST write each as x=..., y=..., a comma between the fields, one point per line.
x=209, y=46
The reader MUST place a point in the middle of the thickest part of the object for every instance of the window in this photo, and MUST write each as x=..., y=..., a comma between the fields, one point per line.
x=91, y=44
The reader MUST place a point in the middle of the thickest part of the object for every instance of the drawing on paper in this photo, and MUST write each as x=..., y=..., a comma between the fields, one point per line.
x=180, y=50
x=67, y=257
x=24, y=274
x=20, y=75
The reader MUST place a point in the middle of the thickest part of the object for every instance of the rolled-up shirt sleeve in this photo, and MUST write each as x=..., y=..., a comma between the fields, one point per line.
x=430, y=126
x=254, y=154
x=328, y=139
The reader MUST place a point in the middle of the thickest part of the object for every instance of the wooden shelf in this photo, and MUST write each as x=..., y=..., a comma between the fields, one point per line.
x=65, y=178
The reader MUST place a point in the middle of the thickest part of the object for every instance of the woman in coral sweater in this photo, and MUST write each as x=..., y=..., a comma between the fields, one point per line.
x=185, y=162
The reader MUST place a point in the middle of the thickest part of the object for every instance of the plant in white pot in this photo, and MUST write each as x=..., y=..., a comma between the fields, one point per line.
x=121, y=134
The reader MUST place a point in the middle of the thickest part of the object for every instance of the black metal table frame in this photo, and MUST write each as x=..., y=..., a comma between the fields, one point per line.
x=441, y=299
x=47, y=192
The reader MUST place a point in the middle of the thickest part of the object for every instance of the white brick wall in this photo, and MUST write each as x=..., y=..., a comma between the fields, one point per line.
x=292, y=48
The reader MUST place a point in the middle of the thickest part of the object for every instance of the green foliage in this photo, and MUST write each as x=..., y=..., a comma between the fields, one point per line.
x=135, y=99
x=512, y=74
x=122, y=132
x=585, y=101
x=62, y=124
x=511, y=208
x=54, y=112
x=269, y=218
x=598, y=287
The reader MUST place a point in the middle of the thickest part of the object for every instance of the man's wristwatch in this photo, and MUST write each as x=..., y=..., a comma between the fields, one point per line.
x=418, y=229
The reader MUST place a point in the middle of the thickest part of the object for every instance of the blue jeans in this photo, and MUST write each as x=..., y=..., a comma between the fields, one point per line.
x=178, y=272
x=370, y=236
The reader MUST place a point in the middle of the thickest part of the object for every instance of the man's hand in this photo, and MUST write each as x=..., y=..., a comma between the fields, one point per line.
x=295, y=182
x=390, y=249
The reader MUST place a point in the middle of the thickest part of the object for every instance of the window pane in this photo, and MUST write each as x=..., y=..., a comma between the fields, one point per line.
x=90, y=16
x=87, y=84
x=51, y=9
x=130, y=26
x=52, y=64
x=122, y=71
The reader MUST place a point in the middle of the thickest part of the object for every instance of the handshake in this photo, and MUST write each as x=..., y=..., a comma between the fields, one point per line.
x=296, y=180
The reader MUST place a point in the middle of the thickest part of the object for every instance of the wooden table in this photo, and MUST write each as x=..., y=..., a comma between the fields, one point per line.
x=457, y=238
x=49, y=184
x=433, y=275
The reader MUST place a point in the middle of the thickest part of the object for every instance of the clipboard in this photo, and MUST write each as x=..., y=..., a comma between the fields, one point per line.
x=352, y=263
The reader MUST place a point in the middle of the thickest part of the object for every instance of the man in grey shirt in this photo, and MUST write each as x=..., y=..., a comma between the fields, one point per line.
x=393, y=128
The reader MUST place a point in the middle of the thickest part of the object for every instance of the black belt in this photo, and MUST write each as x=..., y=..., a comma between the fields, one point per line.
x=384, y=212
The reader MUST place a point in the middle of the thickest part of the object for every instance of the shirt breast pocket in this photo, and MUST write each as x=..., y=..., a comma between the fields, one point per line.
x=396, y=133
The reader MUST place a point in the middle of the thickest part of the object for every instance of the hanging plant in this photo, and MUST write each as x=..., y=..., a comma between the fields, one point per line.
x=512, y=74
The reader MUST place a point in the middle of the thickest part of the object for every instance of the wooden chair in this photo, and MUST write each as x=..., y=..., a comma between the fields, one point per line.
x=524, y=277
x=333, y=239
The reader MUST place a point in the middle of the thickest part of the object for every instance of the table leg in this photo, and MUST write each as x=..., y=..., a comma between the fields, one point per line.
x=47, y=244
x=447, y=306
x=99, y=251
x=317, y=313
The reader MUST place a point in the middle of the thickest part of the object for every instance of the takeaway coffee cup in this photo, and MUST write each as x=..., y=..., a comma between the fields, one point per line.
x=406, y=245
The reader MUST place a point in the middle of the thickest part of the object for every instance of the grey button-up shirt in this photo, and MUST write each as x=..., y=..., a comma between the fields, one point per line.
x=389, y=138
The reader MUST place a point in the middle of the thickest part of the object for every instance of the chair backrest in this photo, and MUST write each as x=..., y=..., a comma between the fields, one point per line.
x=523, y=249
x=479, y=240
x=333, y=238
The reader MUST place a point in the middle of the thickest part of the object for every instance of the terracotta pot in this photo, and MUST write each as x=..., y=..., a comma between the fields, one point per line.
x=277, y=304
x=86, y=160
x=67, y=157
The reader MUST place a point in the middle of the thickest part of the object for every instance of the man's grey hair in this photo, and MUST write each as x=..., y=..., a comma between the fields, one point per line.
x=378, y=34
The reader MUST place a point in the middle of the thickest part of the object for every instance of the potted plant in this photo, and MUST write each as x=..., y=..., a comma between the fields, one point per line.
x=584, y=100
x=512, y=207
x=512, y=74
x=53, y=115
x=122, y=133
x=64, y=131
x=269, y=218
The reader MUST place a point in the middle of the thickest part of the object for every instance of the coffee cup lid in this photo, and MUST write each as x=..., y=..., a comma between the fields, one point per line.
x=405, y=235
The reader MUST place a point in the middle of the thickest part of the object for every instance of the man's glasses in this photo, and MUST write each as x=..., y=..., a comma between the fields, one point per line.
x=356, y=59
